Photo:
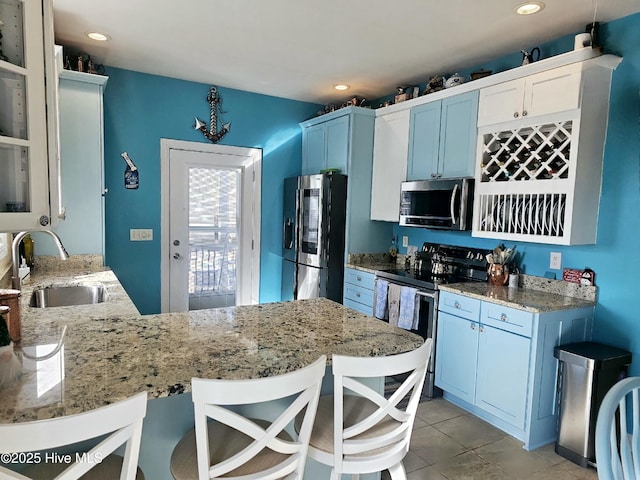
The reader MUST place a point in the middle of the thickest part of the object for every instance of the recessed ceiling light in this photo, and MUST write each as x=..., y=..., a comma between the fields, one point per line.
x=100, y=37
x=529, y=8
x=341, y=86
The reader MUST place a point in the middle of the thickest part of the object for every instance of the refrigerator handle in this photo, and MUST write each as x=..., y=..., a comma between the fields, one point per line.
x=287, y=234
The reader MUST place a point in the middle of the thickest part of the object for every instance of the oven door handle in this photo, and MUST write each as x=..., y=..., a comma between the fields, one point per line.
x=428, y=294
x=452, y=204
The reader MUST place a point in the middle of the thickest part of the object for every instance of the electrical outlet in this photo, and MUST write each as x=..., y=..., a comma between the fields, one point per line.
x=141, y=234
x=405, y=241
x=555, y=260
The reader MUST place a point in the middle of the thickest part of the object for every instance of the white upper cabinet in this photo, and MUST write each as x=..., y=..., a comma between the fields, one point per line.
x=27, y=137
x=538, y=176
x=547, y=92
x=390, y=145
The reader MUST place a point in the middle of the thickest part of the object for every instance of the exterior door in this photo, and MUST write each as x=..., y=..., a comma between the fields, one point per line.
x=209, y=242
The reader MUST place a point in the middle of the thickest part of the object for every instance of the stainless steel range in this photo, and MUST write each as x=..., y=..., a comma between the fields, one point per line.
x=434, y=265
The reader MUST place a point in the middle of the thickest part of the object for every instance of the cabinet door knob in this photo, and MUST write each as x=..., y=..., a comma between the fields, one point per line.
x=503, y=317
x=433, y=175
x=177, y=256
x=359, y=278
x=524, y=114
x=481, y=329
x=515, y=115
x=358, y=294
x=473, y=326
x=456, y=305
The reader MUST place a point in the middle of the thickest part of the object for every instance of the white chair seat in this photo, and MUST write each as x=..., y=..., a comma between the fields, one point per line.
x=108, y=469
x=356, y=409
x=184, y=465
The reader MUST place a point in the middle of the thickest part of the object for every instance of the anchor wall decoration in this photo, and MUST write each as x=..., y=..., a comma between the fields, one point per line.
x=214, y=102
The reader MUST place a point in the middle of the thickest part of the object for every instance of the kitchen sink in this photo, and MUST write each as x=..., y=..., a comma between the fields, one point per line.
x=65, y=296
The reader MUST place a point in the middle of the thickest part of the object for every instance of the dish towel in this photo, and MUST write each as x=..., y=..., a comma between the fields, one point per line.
x=409, y=308
x=382, y=288
x=394, y=303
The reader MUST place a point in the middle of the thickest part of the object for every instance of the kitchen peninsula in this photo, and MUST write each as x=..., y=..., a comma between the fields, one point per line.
x=111, y=352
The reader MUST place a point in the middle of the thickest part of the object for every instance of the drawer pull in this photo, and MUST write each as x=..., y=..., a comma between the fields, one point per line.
x=359, y=278
x=457, y=305
x=503, y=317
x=358, y=294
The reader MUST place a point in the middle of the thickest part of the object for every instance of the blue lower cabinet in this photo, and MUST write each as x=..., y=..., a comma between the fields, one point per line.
x=503, y=374
x=497, y=362
x=456, y=354
x=358, y=290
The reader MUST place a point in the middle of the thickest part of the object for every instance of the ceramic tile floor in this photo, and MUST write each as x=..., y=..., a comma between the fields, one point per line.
x=449, y=443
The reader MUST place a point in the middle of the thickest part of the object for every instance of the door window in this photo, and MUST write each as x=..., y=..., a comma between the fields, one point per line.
x=213, y=236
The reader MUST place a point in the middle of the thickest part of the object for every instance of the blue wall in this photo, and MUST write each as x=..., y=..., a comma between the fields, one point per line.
x=141, y=109
x=616, y=256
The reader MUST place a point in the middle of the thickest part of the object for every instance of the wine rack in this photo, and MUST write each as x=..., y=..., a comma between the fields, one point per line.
x=539, y=152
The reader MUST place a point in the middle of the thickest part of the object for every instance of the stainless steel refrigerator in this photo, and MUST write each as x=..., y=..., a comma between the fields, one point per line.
x=313, y=236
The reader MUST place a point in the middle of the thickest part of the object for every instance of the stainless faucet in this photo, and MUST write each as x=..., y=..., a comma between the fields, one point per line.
x=15, y=254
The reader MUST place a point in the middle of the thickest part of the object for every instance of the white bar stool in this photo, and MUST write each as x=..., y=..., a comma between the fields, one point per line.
x=235, y=447
x=368, y=433
x=120, y=421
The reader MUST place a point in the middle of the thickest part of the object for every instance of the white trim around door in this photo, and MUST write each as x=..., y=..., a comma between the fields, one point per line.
x=248, y=159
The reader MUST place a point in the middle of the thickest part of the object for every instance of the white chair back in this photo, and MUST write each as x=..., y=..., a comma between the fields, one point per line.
x=617, y=445
x=121, y=421
x=381, y=439
x=210, y=396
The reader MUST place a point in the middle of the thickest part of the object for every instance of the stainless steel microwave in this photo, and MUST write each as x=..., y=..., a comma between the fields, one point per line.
x=445, y=204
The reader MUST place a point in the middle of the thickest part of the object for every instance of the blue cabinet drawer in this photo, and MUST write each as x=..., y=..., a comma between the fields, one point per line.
x=358, y=294
x=360, y=307
x=508, y=319
x=459, y=305
x=358, y=277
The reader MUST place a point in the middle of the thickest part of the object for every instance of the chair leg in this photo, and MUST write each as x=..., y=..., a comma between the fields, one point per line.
x=397, y=472
x=335, y=475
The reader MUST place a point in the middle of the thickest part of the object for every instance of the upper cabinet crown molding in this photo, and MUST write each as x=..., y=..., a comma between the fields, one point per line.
x=84, y=77
x=585, y=57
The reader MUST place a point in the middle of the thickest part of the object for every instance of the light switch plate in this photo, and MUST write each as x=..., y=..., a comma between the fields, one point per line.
x=141, y=234
x=555, y=260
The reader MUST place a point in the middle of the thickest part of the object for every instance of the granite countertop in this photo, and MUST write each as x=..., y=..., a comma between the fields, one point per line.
x=530, y=300
x=535, y=294
x=111, y=352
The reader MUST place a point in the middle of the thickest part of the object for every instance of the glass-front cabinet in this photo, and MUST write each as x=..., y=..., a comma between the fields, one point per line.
x=25, y=142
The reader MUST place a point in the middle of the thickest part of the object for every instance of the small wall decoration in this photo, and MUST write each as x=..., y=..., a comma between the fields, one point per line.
x=212, y=134
x=130, y=173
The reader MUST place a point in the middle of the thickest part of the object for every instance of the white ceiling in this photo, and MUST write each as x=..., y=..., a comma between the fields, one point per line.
x=298, y=49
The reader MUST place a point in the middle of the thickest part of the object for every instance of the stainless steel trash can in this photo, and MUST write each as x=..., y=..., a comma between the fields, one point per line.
x=586, y=372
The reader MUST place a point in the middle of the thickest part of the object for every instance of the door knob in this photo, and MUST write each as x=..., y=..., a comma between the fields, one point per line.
x=177, y=256
x=176, y=242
